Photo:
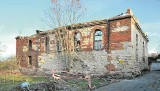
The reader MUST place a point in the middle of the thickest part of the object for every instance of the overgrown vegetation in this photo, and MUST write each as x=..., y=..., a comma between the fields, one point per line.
x=8, y=81
x=82, y=84
x=11, y=77
x=8, y=64
x=13, y=80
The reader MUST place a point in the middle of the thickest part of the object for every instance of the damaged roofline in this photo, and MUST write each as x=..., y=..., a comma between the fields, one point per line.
x=128, y=14
x=20, y=37
x=92, y=23
x=140, y=29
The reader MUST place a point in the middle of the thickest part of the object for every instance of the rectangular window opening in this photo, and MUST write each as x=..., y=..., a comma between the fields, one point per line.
x=136, y=47
x=47, y=44
x=30, y=45
x=30, y=60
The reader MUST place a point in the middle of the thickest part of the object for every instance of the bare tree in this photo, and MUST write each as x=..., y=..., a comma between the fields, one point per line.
x=65, y=12
x=2, y=48
x=63, y=15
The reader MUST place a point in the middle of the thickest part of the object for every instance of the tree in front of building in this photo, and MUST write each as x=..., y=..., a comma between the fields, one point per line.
x=63, y=15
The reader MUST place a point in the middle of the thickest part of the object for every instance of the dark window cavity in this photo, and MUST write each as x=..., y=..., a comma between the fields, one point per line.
x=47, y=44
x=98, y=40
x=136, y=47
x=58, y=46
x=30, y=45
x=30, y=60
x=143, y=52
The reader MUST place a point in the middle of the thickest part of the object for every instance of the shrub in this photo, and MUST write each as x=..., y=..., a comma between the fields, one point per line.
x=9, y=64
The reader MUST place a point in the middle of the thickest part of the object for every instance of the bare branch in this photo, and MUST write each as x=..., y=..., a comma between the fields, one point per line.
x=2, y=48
x=63, y=13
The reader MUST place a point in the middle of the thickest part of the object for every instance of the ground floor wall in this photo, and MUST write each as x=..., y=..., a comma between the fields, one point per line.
x=124, y=61
x=89, y=62
x=51, y=61
x=92, y=62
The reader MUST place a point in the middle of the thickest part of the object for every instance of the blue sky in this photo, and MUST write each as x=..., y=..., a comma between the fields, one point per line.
x=27, y=15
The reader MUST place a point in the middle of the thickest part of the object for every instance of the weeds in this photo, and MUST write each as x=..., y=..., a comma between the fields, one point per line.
x=10, y=81
x=83, y=84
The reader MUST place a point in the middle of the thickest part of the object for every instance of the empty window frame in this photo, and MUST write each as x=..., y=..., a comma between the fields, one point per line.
x=77, y=39
x=97, y=40
x=30, y=45
x=136, y=47
x=59, y=47
x=143, y=51
x=47, y=44
x=30, y=60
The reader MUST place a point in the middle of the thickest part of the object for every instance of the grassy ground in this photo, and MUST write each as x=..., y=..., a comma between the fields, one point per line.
x=8, y=81
x=11, y=77
x=82, y=84
x=12, y=80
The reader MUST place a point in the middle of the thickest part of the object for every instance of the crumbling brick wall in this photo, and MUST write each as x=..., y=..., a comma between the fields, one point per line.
x=21, y=49
x=23, y=53
x=87, y=36
x=120, y=43
x=117, y=52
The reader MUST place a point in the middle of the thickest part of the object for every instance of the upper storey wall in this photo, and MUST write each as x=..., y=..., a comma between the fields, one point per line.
x=88, y=38
x=120, y=31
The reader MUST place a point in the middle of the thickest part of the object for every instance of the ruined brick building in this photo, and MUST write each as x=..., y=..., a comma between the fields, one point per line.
x=112, y=45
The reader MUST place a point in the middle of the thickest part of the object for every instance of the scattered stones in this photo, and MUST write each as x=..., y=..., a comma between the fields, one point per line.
x=50, y=86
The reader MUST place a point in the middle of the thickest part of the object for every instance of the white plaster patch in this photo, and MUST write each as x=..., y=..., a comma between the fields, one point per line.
x=34, y=47
x=118, y=29
x=85, y=31
x=40, y=61
x=25, y=49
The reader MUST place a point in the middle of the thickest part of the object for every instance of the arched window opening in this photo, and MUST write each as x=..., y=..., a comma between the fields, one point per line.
x=47, y=44
x=77, y=40
x=98, y=40
x=30, y=45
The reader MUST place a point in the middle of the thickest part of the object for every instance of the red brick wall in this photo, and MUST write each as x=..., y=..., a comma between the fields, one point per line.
x=116, y=38
x=23, y=56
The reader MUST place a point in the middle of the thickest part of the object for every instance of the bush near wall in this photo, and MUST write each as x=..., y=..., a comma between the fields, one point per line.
x=9, y=64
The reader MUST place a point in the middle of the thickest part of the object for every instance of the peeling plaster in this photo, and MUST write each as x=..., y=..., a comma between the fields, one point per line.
x=119, y=29
x=25, y=48
x=34, y=47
